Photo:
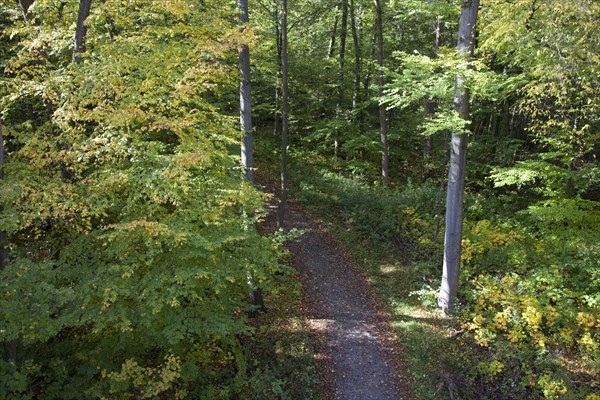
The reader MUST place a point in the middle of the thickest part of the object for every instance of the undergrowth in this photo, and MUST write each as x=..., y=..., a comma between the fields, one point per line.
x=280, y=358
x=527, y=325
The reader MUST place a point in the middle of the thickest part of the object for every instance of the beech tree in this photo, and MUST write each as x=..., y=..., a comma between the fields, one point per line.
x=456, y=171
x=256, y=297
x=245, y=98
x=341, y=72
x=139, y=263
x=81, y=29
x=285, y=115
x=357, y=112
x=383, y=135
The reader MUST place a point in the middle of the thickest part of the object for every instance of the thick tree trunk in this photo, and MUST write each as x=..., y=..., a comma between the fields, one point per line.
x=284, y=114
x=385, y=159
x=10, y=348
x=81, y=29
x=456, y=173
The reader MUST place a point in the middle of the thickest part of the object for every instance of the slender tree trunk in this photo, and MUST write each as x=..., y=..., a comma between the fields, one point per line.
x=456, y=173
x=24, y=5
x=278, y=74
x=10, y=348
x=333, y=34
x=438, y=214
x=245, y=98
x=342, y=61
x=438, y=32
x=356, y=94
x=385, y=158
x=430, y=105
x=81, y=29
x=256, y=297
x=284, y=114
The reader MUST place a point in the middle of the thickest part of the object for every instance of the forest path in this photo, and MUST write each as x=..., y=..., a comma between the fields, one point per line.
x=357, y=351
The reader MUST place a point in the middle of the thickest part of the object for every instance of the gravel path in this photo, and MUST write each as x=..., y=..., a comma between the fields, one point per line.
x=358, y=353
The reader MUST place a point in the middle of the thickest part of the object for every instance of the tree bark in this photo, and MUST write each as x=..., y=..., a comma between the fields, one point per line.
x=284, y=114
x=81, y=29
x=456, y=173
x=333, y=34
x=430, y=105
x=245, y=98
x=438, y=214
x=342, y=62
x=385, y=159
x=256, y=297
x=10, y=348
x=24, y=5
x=356, y=94
x=278, y=74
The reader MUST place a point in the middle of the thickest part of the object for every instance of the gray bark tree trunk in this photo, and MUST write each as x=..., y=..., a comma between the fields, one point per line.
x=385, y=158
x=440, y=199
x=333, y=34
x=456, y=173
x=278, y=74
x=256, y=297
x=284, y=114
x=430, y=105
x=342, y=63
x=356, y=94
x=10, y=348
x=245, y=99
x=81, y=29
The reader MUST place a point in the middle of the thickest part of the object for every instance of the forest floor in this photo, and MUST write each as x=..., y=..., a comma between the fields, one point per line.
x=359, y=355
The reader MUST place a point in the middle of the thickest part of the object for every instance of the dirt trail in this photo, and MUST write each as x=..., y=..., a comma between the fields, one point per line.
x=358, y=353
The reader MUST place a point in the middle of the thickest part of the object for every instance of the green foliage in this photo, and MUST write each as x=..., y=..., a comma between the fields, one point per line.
x=128, y=217
x=556, y=46
x=432, y=79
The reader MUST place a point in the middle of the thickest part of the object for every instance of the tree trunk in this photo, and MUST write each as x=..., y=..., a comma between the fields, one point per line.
x=256, y=298
x=430, y=108
x=284, y=114
x=278, y=74
x=385, y=160
x=430, y=105
x=245, y=98
x=356, y=94
x=456, y=173
x=342, y=62
x=81, y=29
x=333, y=34
x=438, y=214
x=24, y=5
x=438, y=32
x=10, y=348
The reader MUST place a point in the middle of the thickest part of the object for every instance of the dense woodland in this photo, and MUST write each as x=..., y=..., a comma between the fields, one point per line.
x=129, y=245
